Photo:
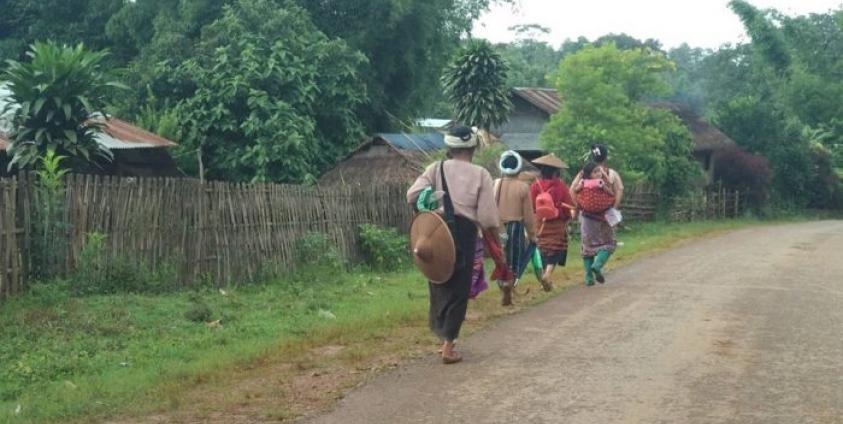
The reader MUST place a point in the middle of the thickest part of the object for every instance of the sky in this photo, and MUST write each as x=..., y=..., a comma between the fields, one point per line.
x=700, y=23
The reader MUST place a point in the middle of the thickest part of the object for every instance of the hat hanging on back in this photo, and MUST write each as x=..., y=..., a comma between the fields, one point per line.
x=551, y=160
x=511, y=163
x=461, y=137
x=433, y=248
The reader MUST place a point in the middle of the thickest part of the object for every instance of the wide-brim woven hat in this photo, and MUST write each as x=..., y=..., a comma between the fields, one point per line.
x=432, y=246
x=551, y=160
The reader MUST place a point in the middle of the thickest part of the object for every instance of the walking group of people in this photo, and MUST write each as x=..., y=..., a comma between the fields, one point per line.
x=520, y=220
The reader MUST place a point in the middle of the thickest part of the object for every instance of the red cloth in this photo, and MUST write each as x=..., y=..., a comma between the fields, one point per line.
x=502, y=271
x=558, y=190
x=594, y=199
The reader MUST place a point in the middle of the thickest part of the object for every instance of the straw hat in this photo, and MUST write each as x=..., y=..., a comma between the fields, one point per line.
x=432, y=245
x=551, y=160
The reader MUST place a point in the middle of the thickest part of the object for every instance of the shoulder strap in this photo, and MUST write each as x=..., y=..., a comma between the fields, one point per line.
x=541, y=186
x=498, y=187
x=446, y=199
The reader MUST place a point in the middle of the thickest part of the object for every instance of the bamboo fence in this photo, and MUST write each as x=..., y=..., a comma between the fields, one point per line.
x=226, y=232
x=11, y=269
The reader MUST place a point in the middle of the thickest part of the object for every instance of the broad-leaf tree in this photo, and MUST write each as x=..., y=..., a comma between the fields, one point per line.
x=604, y=92
x=53, y=98
x=270, y=98
x=475, y=84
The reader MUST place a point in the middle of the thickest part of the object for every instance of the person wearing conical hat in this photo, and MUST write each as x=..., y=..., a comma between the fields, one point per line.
x=517, y=221
x=467, y=190
x=597, y=236
x=554, y=208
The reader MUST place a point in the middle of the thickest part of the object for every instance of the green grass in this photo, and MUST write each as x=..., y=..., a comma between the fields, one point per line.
x=64, y=358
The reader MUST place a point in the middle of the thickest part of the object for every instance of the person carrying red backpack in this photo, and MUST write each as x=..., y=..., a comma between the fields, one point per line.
x=553, y=207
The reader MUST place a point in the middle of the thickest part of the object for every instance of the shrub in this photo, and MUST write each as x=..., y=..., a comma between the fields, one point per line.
x=50, y=229
x=825, y=188
x=738, y=169
x=384, y=248
x=198, y=310
x=315, y=249
x=97, y=273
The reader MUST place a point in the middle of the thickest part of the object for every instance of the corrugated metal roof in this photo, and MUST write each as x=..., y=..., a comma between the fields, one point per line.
x=434, y=123
x=129, y=136
x=546, y=99
x=418, y=142
x=117, y=134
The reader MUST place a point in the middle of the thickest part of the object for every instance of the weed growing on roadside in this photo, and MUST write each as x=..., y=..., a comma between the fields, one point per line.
x=99, y=272
x=384, y=248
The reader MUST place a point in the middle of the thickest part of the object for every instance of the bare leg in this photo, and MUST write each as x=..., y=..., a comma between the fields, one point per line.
x=545, y=281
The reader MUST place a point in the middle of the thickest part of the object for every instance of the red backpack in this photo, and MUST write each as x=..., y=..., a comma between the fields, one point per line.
x=545, y=207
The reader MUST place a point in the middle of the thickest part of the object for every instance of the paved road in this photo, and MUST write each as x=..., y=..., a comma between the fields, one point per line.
x=742, y=328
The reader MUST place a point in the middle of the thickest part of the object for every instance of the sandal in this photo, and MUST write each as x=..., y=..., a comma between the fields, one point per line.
x=439, y=351
x=453, y=358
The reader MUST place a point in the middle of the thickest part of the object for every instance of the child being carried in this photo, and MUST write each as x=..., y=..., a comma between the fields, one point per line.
x=595, y=196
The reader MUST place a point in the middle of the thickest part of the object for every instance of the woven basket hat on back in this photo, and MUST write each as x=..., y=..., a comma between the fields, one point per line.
x=432, y=246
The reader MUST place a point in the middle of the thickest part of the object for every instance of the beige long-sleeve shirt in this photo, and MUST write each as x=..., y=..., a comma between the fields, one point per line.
x=514, y=202
x=470, y=187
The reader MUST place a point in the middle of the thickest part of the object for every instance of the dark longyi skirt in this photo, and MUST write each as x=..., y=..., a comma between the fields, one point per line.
x=449, y=301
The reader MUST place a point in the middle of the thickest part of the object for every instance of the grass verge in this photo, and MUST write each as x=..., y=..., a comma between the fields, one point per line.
x=270, y=352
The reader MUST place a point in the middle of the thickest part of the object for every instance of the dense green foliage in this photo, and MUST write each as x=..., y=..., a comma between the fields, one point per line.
x=379, y=60
x=778, y=96
x=604, y=90
x=530, y=61
x=52, y=97
x=268, y=97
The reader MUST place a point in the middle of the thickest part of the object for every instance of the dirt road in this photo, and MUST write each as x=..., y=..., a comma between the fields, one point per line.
x=741, y=328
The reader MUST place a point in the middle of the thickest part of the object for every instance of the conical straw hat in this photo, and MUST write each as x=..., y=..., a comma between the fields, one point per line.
x=432, y=246
x=551, y=160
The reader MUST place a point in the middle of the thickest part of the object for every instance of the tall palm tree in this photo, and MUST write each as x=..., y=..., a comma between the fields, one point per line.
x=475, y=83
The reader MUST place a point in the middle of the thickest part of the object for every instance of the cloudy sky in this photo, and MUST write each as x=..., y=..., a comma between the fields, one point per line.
x=700, y=23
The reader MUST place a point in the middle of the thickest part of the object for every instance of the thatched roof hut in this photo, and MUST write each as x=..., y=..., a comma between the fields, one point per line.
x=386, y=158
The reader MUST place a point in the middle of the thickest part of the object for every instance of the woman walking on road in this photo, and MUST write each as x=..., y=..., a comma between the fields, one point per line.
x=554, y=208
x=516, y=211
x=597, y=236
x=468, y=198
